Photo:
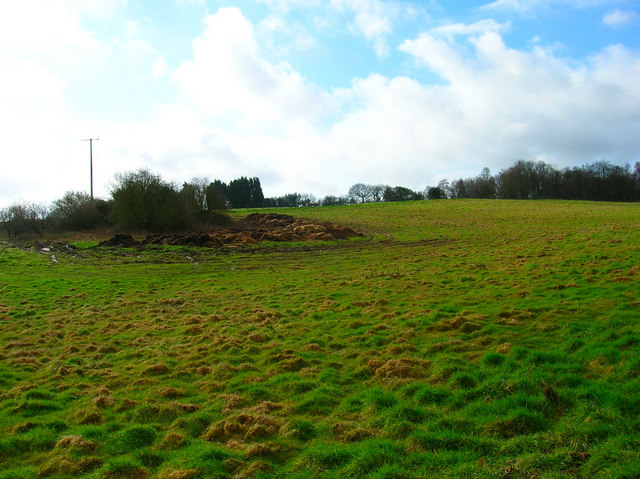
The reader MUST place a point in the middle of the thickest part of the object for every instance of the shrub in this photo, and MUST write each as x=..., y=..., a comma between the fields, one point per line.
x=77, y=211
x=142, y=201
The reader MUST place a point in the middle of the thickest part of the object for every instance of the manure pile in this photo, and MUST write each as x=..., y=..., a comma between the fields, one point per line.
x=252, y=229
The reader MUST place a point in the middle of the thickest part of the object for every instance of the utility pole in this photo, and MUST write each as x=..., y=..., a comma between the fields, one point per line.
x=91, y=140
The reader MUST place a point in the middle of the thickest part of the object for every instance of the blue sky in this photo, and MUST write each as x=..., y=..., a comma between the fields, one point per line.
x=311, y=96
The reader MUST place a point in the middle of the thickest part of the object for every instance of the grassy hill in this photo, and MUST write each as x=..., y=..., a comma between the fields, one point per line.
x=457, y=339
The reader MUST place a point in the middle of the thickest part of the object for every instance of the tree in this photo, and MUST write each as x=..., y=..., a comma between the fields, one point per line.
x=377, y=192
x=238, y=193
x=216, y=196
x=436, y=193
x=189, y=198
x=77, y=211
x=14, y=219
x=38, y=218
x=196, y=194
x=257, y=197
x=445, y=187
x=400, y=193
x=486, y=184
x=362, y=191
x=459, y=189
x=143, y=201
x=290, y=200
x=331, y=200
x=307, y=199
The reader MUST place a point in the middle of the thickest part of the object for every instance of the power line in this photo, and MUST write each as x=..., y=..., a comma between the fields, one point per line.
x=91, y=140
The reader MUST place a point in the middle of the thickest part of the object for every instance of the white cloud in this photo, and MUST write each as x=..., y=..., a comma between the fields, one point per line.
x=98, y=8
x=620, y=18
x=482, y=26
x=272, y=28
x=513, y=104
x=229, y=77
x=373, y=18
x=42, y=26
x=159, y=68
x=35, y=125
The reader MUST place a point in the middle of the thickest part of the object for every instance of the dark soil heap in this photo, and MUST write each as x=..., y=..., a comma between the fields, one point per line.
x=120, y=240
x=252, y=229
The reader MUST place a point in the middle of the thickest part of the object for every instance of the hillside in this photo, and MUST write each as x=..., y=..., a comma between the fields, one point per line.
x=461, y=338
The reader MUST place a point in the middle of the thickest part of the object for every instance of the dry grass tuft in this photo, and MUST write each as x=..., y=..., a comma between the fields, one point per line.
x=465, y=322
x=351, y=432
x=203, y=370
x=127, y=404
x=102, y=402
x=173, y=441
x=59, y=466
x=252, y=470
x=263, y=449
x=403, y=368
x=265, y=407
x=257, y=338
x=246, y=426
x=185, y=407
x=179, y=474
x=88, y=416
x=171, y=392
x=75, y=442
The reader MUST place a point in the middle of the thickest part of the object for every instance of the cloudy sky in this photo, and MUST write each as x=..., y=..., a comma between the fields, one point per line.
x=311, y=95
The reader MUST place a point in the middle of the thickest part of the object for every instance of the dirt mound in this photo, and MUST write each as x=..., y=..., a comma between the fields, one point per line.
x=120, y=241
x=278, y=227
x=191, y=239
x=252, y=229
x=269, y=220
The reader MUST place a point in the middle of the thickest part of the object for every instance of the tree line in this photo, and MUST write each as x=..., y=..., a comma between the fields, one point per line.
x=143, y=201
x=599, y=181
x=140, y=201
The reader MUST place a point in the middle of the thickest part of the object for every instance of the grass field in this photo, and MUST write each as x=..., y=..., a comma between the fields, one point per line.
x=459, y=339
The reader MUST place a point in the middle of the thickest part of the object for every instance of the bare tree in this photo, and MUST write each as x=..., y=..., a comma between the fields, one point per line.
x=377, y=192
x=362, y=191
x=14, y=219
x=38, y=216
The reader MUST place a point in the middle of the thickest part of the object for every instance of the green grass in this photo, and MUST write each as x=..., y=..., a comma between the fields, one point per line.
x=457, y=339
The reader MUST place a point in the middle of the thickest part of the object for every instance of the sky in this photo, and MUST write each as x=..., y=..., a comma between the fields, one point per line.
x=311, y=96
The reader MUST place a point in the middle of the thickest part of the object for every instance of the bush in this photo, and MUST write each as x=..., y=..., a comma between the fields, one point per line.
x=77, y=211
x=15, y=219
x=142, y=201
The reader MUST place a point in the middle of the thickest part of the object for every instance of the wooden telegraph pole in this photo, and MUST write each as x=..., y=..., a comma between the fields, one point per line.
x=91, y=140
